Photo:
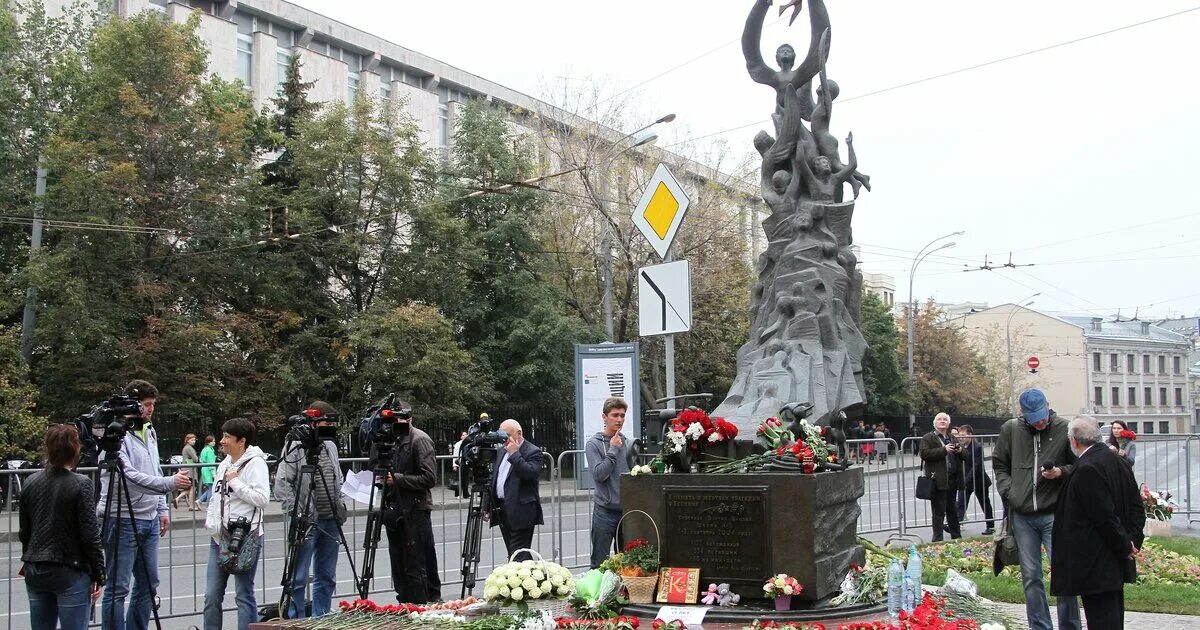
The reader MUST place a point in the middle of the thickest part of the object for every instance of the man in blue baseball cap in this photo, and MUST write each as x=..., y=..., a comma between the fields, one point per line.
x=1032, y=460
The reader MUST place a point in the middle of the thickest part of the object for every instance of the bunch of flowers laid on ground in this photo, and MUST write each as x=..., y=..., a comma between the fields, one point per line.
x=863, y=585
x=1159, y=505
x=598, y=594
x=644, y=469
x=616, y=623
x=782, y=585
x=814, y=437
x=673, y=624
x=759, y=624
x=517, y=583
x=931, y=614
x=772, y=434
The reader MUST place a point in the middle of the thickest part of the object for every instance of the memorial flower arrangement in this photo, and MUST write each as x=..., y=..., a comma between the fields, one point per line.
x=771, y=434
x=517, y=583
x=782, y=585
x=644, y=469
x=1159, y=505
x=759, y=624
x=597, y=595
x=616, y=623
x=693, y=429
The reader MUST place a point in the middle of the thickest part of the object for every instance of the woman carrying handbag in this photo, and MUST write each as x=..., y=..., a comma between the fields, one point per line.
x=235, y=516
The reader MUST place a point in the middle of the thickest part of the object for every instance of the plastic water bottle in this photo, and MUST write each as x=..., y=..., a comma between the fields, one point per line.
x=895, y=587
x=914, y=569
x=908, y=594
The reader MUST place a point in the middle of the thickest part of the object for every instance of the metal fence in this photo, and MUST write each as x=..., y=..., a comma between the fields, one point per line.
x=1164, y=462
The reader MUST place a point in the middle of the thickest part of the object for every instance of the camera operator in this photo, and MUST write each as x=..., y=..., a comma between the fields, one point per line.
x=131, y=545
x=942, y=461
x=240, y=495
x=512, y=500
x=407, y=504
x=326, y=510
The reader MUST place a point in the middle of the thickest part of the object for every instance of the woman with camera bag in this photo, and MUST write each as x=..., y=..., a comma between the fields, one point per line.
x=235, y=516
x=60, y=538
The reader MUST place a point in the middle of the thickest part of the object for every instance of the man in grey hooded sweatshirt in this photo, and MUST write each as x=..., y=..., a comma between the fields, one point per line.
x=608, y=453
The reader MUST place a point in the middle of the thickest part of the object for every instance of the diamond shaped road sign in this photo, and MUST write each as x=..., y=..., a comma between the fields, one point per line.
x=665, y=299
x=661, y=210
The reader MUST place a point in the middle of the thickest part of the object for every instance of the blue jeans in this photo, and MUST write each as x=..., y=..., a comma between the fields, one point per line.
x=1033, y=531
x=206, y=493
x=69, y=606
x=604, y=529
x=121, y=544
x=319, y=552
x=214, y=595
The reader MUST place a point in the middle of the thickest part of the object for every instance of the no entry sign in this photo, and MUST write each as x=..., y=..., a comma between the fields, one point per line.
x=1033, y=363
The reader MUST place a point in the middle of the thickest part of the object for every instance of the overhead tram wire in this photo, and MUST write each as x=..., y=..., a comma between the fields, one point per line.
x=964, y=69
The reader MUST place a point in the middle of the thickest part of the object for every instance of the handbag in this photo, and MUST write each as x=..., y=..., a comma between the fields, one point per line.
x=926, y=487
x=1006, y=553
x=239, y=560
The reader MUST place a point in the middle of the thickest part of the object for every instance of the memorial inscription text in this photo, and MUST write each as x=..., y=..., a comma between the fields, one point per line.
x=723, y=531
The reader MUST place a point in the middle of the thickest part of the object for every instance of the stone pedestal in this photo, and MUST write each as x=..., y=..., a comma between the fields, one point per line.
x=743, y=528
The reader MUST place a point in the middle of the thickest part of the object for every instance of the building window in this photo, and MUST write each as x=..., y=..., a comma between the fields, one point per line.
x=1178, y=396
x=1112, y=363
x=1116, y=397
x=1129, y=363
x=1147, y=427
x=1095, y=361
x=351, y=87
x=1162, y=396
x=443, y=128
x=1164, y=426
x=245, y=57
x=1162, y=364
x=283, y=59
x=1099, y=394
x=1175, y=365
x=385, y=93
x=1132, y=397
x=1145, y=364
x=1147, y=399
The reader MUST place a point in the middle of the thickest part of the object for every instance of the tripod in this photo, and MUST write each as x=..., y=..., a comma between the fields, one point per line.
x=301, y=522
x=374, y=525
x=116, y=475
x=473, y=534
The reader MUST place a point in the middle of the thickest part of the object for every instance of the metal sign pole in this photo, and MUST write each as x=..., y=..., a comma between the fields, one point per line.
x=670, y=349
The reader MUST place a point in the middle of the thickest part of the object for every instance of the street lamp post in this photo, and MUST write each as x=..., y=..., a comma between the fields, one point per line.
x=604, y=193
x=912, y=307
x=1008, y=342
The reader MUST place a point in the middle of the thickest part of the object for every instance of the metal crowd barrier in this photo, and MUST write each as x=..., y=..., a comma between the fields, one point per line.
x=1163, y=462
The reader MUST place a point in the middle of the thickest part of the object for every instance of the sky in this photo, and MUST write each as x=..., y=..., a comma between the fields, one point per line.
x=1077, y=160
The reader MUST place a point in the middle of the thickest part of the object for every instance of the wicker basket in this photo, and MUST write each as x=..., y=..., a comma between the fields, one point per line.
x=641, y=588
x=557, y=607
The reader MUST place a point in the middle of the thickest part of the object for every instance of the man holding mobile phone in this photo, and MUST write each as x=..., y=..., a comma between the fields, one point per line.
x=512, y=501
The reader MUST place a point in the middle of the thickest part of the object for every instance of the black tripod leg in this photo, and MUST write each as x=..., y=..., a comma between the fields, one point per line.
x=472, y=539
x=140, y=543
x=298, y=530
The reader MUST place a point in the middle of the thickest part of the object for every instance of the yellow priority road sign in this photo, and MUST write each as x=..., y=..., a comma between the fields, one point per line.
x=661, y=210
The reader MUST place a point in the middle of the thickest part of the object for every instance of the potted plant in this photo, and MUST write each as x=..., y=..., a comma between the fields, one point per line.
x=638, y=567
x=781, y=588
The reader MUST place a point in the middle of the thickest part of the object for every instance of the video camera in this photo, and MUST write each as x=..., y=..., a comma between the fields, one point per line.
x=304, y=428
x=103, y=428
x=479, y=449
x=384, y=424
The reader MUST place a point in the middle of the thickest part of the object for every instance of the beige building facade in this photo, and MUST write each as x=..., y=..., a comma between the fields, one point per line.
x=1114, y=370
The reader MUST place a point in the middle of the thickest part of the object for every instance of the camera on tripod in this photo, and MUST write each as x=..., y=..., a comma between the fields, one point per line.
x=479, y=450
x=306, y=428
x=104, y=427
x=379, y=428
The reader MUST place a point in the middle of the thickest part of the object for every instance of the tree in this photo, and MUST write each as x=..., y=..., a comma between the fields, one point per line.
x=950, y=375
x=21, y=428
x=886, y=384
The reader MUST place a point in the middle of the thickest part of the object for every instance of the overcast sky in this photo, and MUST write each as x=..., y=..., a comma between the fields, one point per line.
x=1078, y=159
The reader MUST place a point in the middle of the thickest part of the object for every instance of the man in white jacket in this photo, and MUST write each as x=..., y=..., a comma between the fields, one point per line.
x=241, y=491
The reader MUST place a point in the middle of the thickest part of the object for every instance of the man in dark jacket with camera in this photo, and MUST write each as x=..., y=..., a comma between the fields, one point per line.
x=512, y=500
x=940, y=456
x=407, y=504
x=975, y=478
x=1097, y=529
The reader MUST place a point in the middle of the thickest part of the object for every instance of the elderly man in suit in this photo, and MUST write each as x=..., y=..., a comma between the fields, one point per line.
x=1097, y=529
x=512, y=500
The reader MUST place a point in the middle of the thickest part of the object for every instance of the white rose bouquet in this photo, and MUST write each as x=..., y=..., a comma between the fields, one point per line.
x=517, y=583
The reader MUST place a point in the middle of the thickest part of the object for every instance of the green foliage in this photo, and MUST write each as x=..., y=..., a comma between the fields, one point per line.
x=885, y=381
x=21, y=428
x=950, y=375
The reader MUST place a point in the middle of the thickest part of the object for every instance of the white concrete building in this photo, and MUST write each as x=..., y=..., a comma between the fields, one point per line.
x=1130, y=370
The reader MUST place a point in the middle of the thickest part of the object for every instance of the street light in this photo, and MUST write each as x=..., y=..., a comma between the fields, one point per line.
x=1008, y=342
x=912, y=307
x=603, y=193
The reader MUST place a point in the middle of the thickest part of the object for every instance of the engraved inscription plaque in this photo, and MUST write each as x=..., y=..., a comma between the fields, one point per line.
x=722, y=530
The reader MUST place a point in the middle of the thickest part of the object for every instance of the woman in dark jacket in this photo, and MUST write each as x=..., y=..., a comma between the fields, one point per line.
x=940, y=456
x=60, y=538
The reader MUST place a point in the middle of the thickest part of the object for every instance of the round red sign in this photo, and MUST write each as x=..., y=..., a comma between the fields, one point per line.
x=1033, y=363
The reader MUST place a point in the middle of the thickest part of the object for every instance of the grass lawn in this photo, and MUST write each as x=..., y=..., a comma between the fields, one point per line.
x=1173, y=598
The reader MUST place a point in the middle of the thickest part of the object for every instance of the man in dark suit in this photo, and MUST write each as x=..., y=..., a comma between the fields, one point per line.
x=512, y=500
x=976, y=479
x=1097, y=529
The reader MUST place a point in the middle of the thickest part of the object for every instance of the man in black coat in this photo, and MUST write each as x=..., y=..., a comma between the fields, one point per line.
x=1097, y=529
x=940, y=456
x=512, y=500
x=976, y=479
